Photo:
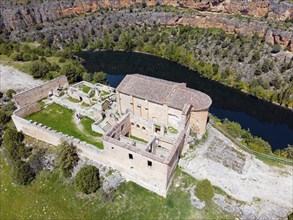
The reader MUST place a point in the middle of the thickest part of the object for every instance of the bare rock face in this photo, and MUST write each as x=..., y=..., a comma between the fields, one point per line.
x=22, y=16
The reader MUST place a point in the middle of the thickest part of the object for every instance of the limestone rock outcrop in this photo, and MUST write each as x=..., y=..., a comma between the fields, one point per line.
x=20, y=16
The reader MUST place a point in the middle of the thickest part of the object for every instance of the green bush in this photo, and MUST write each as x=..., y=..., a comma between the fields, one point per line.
x=4, y=118
x=87, y=180
x=40, y=69
x=204, y=190
x=233, y=128
x=67, y=158
x=10, y=92
x=100, y=77
x=23, y=173
x=276, y=48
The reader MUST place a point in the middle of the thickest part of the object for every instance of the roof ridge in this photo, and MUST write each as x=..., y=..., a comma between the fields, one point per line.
x=174, y=88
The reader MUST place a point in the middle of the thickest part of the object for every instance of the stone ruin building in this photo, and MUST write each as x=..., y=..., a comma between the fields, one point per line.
x=146, y=142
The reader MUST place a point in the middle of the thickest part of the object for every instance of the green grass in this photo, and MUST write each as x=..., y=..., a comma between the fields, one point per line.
x=86, y=89
x=20, y=65
x=25, y=66
x=60, y=118
x=85, y=104
x=103, y=93
x=87, y=126
x=73, y=100
x=48, y=197
x=173, y=130
x=138, y=139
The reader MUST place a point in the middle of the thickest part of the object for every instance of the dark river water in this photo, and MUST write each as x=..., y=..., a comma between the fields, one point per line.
x=272, y=123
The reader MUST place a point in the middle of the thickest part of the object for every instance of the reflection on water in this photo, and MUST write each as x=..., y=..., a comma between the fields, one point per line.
x=274, y=124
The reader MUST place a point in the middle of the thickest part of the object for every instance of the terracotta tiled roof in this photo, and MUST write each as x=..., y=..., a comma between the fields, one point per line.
x=173, y=94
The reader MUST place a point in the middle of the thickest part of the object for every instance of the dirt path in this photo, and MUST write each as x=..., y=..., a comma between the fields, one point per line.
x=271, y=186
x=10, y=78
x=80, y=127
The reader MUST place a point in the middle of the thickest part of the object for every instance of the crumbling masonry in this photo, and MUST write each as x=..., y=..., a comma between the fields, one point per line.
x=145, y=143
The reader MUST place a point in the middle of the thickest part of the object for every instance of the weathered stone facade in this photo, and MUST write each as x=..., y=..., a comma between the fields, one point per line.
x=149, y=161
x=172, y=104
x=52, y=87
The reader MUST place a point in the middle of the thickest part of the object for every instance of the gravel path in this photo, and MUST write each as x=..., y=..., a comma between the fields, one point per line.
x=10, y=78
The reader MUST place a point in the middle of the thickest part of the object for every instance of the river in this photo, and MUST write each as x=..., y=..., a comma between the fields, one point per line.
x=270, y=122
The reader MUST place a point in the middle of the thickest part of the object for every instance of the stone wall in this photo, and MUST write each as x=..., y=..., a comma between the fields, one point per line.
x=137, y=170
x=142, y=167
x=198, y=122
x=53, y=137
x=28, y=109
x=40, y=92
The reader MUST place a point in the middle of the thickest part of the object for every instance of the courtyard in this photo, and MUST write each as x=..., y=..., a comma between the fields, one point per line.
x=64, y=120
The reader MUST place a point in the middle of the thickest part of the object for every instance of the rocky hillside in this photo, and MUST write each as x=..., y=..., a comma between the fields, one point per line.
x=252, y=53
x=21, y=14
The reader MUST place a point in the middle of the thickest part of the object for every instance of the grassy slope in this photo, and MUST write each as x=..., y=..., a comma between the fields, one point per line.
x=86, y=123
x=60, y=118
x=49, y=198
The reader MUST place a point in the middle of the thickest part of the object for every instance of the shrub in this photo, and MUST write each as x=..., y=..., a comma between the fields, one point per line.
x=40, y=69
x=204, y=190
x=23, y=173
x=276, y=48
x=15, y=56
x=233, y=128
x=267, y=65
x=3, y=117
x=100, y=77
x=67, y=158
x=87, y=179
x=10, y=92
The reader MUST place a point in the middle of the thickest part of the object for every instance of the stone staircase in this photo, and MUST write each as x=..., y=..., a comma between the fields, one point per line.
x=105, y=125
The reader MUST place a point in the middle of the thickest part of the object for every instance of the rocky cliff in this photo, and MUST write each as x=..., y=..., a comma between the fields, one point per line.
x=22, y=15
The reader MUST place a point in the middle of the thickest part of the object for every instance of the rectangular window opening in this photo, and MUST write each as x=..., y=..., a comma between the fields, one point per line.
x=130, y=156
x=150, y=163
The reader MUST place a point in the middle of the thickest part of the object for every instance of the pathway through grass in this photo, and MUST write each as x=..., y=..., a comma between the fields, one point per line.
x=61, y=119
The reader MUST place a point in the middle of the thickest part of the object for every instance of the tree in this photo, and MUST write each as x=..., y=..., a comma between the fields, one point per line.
x=73, y=71
x=204, y=190
x=100, y=77
x=107, y=42
x=40, y=69
x=87, y=77
x=87, y=180
x=4, y=118
x=126, y=42
x=14, y=148
x=23, y=173
x=267, y=65
x=67, y=158
x=290, y=217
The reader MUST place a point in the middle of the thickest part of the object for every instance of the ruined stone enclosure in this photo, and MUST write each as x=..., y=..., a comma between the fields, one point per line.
x=147, y=156
x=143, y=126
